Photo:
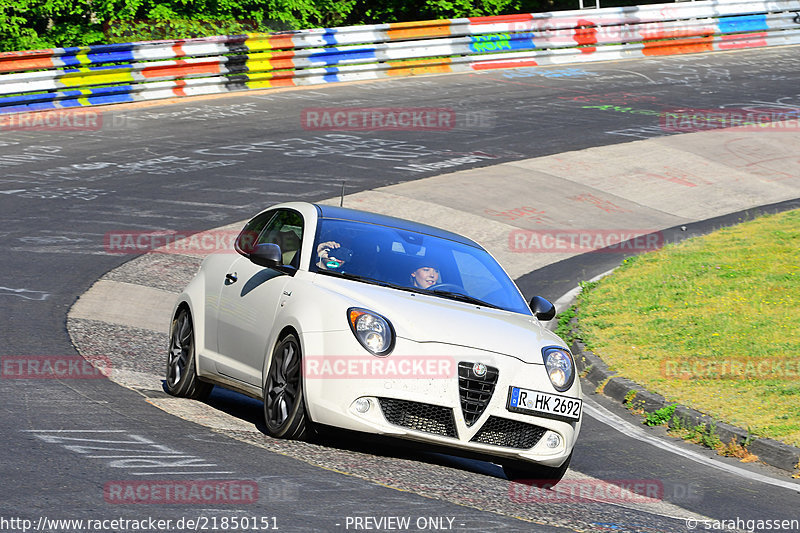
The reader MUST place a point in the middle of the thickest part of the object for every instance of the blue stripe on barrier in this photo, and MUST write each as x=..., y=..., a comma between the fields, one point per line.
x=32, y=107
x=97, y=91
x=70, y=102
x=70, y=60
x=25, y=99
x=72, y=50
x=332, y=74
x=741, y=24
x=95, y=100
x=113, y=99
x=330, y=36
x=116, y=94
x=111, y=48
x=497, y=42
x=108, y=57
x=332, y=56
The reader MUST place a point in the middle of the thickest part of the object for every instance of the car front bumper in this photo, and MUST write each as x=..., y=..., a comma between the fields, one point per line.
x=414, y=393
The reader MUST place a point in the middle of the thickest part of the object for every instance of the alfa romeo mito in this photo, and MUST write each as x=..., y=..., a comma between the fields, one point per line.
x=339, y=317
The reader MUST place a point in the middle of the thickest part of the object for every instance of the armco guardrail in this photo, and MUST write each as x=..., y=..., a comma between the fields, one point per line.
x=115, y=73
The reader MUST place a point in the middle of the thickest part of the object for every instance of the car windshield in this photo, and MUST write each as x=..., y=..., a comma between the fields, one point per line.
x=415, y=262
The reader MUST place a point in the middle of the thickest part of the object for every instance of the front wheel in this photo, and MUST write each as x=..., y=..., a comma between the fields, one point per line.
x=181, y=376
x=535, y=474
x=284, y=405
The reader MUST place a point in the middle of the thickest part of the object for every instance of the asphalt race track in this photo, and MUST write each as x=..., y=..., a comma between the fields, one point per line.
x=200, y=164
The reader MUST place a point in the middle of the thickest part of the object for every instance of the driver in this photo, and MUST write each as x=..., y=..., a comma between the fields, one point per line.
x=426, y=275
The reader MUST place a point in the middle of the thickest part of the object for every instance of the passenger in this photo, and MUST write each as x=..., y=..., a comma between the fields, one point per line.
x=332, y=256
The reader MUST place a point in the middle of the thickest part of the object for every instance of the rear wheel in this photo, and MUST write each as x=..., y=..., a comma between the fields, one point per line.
x=284, y=404
x=535, y=474
x=181, y=377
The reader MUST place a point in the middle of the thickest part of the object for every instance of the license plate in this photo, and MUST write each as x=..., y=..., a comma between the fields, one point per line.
x=544, y=404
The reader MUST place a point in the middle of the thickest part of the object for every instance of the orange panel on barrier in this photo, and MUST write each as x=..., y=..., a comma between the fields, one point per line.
x=181, y=68
x=683, y=46
x=524, y=17
x=419, y=66
x=178, y=90
x=417, y=30
x=487, y=65
x=11, y=65
x=585, y=35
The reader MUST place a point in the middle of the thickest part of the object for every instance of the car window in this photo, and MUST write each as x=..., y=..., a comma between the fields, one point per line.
x=475, y=276
x=248, y=237
x=285, y=229
x=413, y=261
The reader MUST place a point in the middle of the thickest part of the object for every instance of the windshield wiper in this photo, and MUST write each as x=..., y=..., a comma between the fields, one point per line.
x=463, y=298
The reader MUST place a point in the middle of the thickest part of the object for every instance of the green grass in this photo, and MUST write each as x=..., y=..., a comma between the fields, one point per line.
x=712, y=323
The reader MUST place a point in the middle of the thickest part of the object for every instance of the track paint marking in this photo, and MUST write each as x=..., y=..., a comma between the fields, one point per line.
x=144, y=453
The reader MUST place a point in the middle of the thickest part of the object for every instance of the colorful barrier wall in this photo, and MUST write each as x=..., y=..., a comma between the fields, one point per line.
x=115, y=73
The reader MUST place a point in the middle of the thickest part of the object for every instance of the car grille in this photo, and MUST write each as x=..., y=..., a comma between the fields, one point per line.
x=475, y=391
x=509, y=433
x=419, y=416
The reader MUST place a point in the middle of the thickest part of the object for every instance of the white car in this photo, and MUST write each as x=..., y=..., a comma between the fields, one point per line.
x=344, y=318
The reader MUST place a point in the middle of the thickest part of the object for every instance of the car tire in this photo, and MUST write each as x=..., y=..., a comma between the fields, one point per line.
x=285, y=413
x=535, y=474
x=181, y=376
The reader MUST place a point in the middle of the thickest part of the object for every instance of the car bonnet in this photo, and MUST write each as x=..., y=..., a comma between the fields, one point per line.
x=426, y=318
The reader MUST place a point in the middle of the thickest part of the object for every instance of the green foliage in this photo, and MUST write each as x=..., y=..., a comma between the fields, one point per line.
x=32, y=24
x=708, y=436
x=629, y=397
x=704, y=434
x=564, y=328
x=661, y=416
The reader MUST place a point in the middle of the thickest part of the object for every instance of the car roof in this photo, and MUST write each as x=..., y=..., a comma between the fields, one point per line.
x=355, y=215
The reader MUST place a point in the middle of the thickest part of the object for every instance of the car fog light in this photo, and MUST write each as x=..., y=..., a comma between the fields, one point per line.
x=362, y=405
x=553, y=440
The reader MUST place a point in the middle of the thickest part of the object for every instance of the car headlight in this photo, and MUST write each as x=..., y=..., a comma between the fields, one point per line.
x=559, y=366
x=373, y=331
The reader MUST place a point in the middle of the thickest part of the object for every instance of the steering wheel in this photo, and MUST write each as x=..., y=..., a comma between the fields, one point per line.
x=447, y=287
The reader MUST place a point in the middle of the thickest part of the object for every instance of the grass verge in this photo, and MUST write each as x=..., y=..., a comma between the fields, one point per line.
x=712, y=323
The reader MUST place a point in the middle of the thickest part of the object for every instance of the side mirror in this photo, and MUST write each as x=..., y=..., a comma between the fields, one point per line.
x=542, y=308
x=266, y=255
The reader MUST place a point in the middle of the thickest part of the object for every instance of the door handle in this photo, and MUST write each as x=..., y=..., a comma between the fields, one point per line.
x=232, y=278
